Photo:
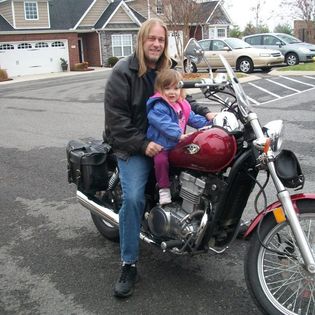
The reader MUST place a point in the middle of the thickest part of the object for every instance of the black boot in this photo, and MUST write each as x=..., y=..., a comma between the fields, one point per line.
x=125, y=285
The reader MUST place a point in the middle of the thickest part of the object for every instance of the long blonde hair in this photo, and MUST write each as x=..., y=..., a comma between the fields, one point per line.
x=167, y=78
x=164, y=61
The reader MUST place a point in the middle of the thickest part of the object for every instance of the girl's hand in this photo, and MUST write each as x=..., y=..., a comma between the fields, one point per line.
x=184, y=136
x=210, y=116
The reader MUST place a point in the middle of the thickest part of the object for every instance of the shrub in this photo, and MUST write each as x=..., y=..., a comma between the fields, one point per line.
x=3, y=75
x=111, y=61
x=63, y=61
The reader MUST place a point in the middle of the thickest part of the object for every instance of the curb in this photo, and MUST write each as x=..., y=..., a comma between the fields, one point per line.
x=277, y=72
x=52, y=75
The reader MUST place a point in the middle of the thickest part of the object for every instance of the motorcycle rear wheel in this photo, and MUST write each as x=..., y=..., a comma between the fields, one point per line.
x=277, y=282
x=107, y=230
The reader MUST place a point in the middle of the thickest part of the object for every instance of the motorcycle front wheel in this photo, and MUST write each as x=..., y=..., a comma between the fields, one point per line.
x=275, y=276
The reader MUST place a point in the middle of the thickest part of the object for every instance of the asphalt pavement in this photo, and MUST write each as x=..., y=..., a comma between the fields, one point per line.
x=52, y=258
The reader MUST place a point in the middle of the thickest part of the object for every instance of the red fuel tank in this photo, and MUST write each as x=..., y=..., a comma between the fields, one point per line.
x=209, y=150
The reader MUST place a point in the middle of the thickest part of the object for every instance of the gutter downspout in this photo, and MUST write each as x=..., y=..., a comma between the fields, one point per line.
x=100, y=47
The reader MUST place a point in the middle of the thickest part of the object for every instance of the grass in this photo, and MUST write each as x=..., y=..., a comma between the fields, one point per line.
x=310, y=66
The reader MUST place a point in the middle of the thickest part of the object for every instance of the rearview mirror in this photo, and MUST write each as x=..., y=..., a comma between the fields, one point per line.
x=194, y=51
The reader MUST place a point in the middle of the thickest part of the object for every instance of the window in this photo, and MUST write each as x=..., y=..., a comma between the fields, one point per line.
x=221, y=32
x=41, y=45
x=30, y=9
x=270, y=40
x=205, y=44
x=122, y=45
x=24, y=46
x=218, y=45
x=217, y=32
x=57, y=44
x=6, y=47
x=254, y=40
x=159, y=7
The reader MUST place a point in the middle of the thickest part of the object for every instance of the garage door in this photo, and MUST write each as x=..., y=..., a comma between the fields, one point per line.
x=23, y=58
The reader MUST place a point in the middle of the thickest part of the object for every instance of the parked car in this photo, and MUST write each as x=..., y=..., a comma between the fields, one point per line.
x=238, y=53
x=291, y=47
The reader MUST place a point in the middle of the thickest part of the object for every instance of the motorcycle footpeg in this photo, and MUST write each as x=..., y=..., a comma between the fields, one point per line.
x=171, y=244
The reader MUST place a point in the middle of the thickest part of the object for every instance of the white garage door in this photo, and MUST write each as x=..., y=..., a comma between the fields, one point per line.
x=22, y=58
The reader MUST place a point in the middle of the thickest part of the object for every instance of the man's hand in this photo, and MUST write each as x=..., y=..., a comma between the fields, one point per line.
x=153, y=149
x=210, y=116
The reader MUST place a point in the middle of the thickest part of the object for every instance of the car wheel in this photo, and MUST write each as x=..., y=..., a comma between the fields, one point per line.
x=189, y=67
x=291, y=59
x=245, y=65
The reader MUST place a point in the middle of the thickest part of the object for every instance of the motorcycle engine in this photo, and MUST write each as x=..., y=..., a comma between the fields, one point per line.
x=170, y=221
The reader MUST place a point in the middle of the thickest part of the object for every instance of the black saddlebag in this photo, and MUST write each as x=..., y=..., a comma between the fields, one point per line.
x=87, y=164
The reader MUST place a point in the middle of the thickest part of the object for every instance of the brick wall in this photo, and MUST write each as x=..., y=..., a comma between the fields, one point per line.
x=91, y=49
x=305, y=31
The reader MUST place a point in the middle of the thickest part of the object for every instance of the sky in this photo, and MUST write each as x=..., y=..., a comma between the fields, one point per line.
x=271, y=13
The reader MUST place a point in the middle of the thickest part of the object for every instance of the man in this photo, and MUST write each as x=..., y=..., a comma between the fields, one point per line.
x=129, y=86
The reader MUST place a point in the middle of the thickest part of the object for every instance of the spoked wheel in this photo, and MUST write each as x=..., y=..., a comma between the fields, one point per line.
x=277, y=280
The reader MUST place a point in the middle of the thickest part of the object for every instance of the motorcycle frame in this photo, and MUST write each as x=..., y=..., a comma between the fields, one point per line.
x=228, y=211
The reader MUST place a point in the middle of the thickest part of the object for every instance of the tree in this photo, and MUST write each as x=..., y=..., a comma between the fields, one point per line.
x=304, y=10
x=235, y=32
x=256, y=9
x=262, y=28
x=249, y=29
x=180, y=15
x=283, y=28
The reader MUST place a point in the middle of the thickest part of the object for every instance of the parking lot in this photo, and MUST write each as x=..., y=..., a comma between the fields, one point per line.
x=53, y=260
x=270, y=88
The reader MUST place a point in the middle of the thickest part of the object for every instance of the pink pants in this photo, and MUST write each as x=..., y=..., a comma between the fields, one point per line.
x=161, y=167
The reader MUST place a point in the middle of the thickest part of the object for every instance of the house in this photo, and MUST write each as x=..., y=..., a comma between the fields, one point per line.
x=305, y=31
x=35, y=34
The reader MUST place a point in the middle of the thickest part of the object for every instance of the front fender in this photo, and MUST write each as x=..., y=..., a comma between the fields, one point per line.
x=294, y=198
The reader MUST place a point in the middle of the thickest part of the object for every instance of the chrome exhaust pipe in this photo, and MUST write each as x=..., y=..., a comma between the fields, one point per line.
x=105, y=213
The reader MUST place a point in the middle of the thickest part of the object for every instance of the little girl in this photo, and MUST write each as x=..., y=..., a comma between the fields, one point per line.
x=168, y=115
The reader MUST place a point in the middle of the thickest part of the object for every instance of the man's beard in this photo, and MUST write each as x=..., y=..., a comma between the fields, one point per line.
x=154, y=59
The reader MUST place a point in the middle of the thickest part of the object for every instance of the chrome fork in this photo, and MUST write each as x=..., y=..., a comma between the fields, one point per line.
x=284, y=198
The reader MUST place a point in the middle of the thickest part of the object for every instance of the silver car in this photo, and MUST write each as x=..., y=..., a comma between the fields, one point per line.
x=292, y=48
x=238, y=53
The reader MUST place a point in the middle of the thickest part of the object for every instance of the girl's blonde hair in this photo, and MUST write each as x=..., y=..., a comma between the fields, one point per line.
x=166, y=78
x=164, y=61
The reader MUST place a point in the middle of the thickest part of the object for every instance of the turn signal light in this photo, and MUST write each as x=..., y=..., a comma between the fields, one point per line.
x=279, y=215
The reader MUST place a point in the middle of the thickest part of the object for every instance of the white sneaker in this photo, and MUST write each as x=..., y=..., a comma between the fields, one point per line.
x=165, y=196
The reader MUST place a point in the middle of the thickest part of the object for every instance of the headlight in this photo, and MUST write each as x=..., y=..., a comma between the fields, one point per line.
x=264, y=55
x=304, y=50
x=274, y=131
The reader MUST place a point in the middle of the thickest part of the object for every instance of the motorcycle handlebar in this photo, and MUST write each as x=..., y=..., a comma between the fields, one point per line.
x=208, y=83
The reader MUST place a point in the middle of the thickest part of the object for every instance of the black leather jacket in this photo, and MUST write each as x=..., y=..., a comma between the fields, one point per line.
x=126, y=95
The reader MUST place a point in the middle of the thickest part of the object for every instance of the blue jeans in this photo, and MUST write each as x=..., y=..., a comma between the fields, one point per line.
x=133, y=174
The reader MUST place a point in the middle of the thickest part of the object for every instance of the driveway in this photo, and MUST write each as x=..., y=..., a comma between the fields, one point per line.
x=52, y=259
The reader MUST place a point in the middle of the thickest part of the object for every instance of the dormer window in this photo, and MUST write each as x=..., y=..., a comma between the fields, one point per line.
x=30, y=10
x=159, y=7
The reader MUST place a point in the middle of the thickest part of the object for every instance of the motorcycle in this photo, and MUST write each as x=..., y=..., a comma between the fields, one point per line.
x=213, y=172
